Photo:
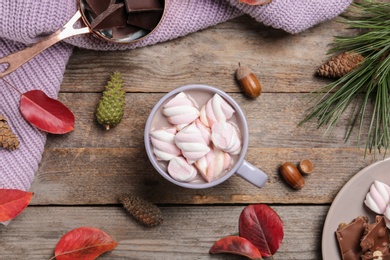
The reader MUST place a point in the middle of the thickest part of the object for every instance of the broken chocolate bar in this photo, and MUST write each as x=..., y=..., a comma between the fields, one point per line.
x=146, y=20
x=375, y=239
x=144, y=5
x=348, y=237
x=123, y=20
x=122, y=32
x=113, y=17
x=98, y=6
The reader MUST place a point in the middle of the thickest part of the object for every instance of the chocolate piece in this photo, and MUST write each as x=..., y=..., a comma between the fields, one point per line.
x=375, y=238
x=146, y=20
x=144, y=5
x=122, y=32
x=98, y=6
x=113, y=17
x=348, y=237
x=88, y=8
x=377, y=255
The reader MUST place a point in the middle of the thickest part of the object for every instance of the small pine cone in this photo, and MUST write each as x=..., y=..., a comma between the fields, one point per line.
x=144, y=211
x=112, y=103
x=340, y=65
x=8, y=140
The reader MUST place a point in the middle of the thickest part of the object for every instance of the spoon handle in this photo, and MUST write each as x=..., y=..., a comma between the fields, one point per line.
x=17, y=59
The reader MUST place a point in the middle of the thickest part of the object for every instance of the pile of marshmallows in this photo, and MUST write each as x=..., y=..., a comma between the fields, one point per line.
x=199, y=140
x=378, y=200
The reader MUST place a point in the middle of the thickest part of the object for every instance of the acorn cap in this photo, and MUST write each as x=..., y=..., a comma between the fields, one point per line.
x=243, y=72
x=306, y=166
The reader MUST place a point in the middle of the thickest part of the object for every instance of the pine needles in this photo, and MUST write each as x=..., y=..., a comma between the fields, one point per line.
x=369, y=82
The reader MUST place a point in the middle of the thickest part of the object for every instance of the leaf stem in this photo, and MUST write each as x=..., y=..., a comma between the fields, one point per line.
x=9, y=84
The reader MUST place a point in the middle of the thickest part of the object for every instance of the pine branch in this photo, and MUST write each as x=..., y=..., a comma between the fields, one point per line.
x=369, y=82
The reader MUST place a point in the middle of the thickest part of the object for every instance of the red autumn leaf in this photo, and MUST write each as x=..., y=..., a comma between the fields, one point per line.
x=13, y=202
x=262, y=226
x=46, y=113
x=236, y=245
x=84, y=243
x=255, y=2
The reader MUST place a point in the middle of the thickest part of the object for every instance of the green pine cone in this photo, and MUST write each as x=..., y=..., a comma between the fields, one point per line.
x=112, y=104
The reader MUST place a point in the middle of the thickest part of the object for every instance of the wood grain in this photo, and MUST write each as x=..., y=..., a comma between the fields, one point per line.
x=283, y=62
x=82, y=173
x=94, y=166
x=273, y=120
x=85, y=176
x=186, y=233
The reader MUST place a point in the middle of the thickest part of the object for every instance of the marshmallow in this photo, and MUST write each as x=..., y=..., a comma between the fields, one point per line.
x=204, y=130
x=181, y=170
x=213, y=164
x=225, y=136
x=215, y=110
x=387, y=216
x=180, y=111
x=164, y=146
x=191, y=143
x=378, y=197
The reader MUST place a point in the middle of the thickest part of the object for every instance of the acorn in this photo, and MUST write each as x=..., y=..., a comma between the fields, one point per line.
x=142, y=210
x=248, y=82
x=291, y=175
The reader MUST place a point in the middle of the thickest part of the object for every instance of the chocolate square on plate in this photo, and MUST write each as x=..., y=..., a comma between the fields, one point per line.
x=348, y=237
x=375, y=240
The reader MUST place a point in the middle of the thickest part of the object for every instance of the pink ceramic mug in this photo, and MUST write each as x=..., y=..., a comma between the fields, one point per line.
x=240, y=167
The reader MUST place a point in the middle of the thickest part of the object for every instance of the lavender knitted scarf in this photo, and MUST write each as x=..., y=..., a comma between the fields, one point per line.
x=24, y=21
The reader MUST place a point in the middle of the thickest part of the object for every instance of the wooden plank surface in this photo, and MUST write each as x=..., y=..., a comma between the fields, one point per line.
x=100, y=175
x=283, y=62
x=186, y=233
x=273, y=120
x=91, y=165
x=83, y=173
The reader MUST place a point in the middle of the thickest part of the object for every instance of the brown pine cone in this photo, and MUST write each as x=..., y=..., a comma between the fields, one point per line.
x=8, y=140
x=340, y=65
x=142, y=210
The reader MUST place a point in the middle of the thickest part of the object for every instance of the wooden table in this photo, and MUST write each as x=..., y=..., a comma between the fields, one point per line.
x=83, y=173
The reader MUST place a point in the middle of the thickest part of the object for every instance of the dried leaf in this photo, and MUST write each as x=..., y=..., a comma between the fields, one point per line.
x=84, y=243
x=255, y=2
x=262, y=226
x=46, y=113
x=236, y=245
x=13, y=202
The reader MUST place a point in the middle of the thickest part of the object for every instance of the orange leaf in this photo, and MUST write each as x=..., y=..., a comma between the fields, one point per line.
x=84, y=243
x=237, y=246
x=13, y=202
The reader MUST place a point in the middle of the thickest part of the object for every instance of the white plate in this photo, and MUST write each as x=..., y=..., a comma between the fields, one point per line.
x=348, y=204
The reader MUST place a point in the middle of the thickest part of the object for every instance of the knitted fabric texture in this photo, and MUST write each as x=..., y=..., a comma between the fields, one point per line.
x=27, y=21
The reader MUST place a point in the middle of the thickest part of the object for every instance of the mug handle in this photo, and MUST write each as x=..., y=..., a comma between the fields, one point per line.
x=252, y=174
